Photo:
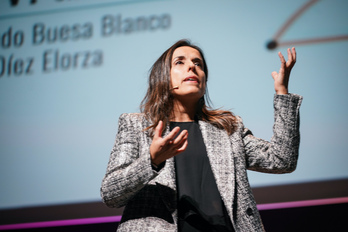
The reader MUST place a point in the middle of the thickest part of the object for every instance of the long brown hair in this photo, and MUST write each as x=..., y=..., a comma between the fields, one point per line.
x=158, y=102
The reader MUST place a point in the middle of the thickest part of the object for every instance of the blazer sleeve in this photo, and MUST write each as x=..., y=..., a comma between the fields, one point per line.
x=281, y=153
x=129, y=168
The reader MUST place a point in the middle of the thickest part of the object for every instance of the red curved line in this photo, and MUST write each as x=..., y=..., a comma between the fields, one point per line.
x=309, y=41
x=293, y=18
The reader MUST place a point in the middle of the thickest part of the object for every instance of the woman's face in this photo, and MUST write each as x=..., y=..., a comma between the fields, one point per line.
x=187, y=74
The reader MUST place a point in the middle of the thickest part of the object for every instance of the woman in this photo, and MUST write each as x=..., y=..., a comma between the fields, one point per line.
x=180, y=166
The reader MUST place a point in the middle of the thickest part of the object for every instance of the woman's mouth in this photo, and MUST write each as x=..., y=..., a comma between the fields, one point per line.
x=192, y=78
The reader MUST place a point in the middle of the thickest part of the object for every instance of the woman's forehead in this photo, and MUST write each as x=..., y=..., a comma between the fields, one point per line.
x=186, y=51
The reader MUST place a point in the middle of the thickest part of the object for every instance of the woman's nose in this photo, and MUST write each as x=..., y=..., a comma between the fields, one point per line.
x=192, y=66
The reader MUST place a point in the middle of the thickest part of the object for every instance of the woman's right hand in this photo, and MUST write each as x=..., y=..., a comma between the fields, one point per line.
x=162, y=149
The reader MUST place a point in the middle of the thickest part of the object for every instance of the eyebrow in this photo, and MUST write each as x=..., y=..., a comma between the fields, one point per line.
x=183, y=57
x=179, y=57
x=198, y=59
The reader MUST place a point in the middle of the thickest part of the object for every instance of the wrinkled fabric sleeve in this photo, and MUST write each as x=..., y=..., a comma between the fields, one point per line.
x=129, y=168
x=281, y=153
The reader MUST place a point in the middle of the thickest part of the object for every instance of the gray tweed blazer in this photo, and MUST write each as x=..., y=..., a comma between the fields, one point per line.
x=149, y=196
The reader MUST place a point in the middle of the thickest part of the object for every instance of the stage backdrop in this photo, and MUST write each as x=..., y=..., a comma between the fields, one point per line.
x=68, y=69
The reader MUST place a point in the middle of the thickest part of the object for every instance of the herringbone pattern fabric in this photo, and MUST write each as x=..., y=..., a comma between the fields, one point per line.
x=150, y=196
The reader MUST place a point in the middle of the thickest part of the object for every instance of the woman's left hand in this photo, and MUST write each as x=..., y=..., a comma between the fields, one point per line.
x=281, y=79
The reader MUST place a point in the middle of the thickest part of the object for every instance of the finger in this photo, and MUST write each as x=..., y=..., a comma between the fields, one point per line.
x=170, y=137
x=282, y=59
x=290, y=58
x=282, y=65
x=180, y=137
x=294, y=54
x=158, y=130
x=183, y=147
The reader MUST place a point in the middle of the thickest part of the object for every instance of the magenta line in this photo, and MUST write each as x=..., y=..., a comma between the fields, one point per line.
x=72, y=222
x=294, y=204
x=111, y=219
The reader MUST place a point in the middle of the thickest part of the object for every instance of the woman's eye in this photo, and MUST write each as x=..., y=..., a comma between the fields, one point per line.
x=179, y=62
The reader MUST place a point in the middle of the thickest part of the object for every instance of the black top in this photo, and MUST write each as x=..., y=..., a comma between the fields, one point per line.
x=200, y=207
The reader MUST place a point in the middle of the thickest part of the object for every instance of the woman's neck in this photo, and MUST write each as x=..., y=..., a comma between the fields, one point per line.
x=183, y=112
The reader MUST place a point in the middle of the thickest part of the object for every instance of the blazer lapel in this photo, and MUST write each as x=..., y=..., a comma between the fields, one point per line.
x=219, y=150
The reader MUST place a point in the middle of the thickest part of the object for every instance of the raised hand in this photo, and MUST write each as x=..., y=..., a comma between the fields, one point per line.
x=162, y=149
x=281, y=79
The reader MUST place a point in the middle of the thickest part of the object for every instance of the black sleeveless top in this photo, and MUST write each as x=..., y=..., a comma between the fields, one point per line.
x=200, y=207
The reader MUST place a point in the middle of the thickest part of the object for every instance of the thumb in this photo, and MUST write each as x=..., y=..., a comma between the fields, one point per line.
x=274, y=75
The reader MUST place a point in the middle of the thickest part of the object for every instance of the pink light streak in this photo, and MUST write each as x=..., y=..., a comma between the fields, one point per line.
x=71, y=222
x=111, y=219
